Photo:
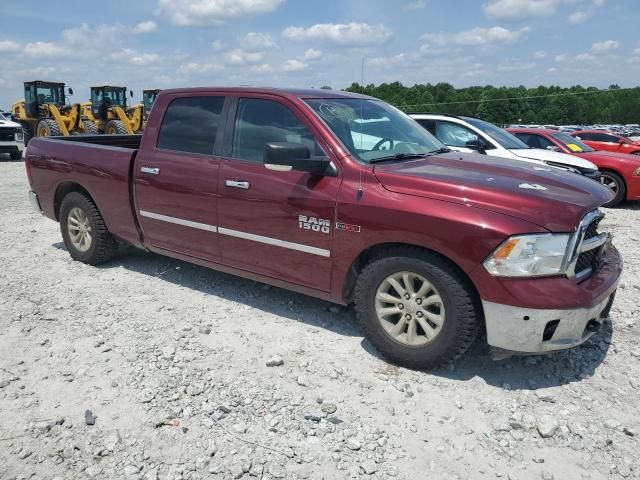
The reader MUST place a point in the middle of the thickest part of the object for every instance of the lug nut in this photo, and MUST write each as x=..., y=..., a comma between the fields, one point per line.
x=407, y=296
x=408, y=317
x=419, y=314
x=419, y=301
x=400, y=306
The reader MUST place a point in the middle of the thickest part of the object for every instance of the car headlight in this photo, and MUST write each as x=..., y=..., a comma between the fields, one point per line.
x=529, y=256
x=19, y=135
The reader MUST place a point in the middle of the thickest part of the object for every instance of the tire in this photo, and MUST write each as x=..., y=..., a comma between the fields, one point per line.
x=90, y=128
x=115, y=127
x=101, y=246
x=47, y=128
x=458, y=306
x=26, y=132
x=616, y=184
x=16, y=155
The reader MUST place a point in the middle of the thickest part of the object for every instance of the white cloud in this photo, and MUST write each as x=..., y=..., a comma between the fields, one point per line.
x=43, y=49
x=598, y=3
x=387, y=62
x=539, y=55
x=257, y=42
x=213, y=12
x=217, y=45
x=415, y=5
x=312, y=54
x=240, y=57
x=604, y=47
x=145, y=27
x=195, y=68
x=578, y=16
x=346, y=34
x=519, y=9
x=476, y=37
x=262, y=69
x=516, y=67
x=9, y=46
x=294, y=66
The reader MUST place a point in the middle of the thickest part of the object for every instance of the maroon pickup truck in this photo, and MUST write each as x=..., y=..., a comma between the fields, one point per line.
x=345, y=198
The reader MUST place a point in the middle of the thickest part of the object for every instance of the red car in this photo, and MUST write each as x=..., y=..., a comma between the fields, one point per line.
x=343, y=197
x=607, y=141
x=618, y=171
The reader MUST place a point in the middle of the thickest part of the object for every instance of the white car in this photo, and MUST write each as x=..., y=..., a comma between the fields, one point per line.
x=468, y=134
x=11, y=138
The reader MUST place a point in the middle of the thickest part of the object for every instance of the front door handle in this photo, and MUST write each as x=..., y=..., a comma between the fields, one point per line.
x=244, y=185
x=151, y=170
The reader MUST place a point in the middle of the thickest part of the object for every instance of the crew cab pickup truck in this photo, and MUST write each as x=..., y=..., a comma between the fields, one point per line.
x=343, y=197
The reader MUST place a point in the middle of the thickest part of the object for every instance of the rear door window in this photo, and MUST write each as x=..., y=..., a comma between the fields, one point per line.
x=190, y=125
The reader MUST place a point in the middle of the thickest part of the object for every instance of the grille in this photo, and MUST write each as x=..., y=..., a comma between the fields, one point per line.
x=587, y=260
x=6, y=135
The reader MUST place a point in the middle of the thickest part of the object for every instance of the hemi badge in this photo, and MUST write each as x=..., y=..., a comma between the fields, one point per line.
x=347, y=228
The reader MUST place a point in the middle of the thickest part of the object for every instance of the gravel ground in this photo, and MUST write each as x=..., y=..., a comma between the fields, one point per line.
x=152, y=368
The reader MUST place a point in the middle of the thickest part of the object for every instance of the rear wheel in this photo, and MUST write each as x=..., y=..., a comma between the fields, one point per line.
x=47, y=128
x=417, y=309
x=115, y=127
x=615, y=183
x=90, y=128
x=83, y=230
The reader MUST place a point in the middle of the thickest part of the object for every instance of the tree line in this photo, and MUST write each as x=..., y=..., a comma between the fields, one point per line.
x=508, y=105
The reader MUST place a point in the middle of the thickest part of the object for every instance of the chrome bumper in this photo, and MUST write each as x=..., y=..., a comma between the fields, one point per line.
x=524, y=330
x=35, y=203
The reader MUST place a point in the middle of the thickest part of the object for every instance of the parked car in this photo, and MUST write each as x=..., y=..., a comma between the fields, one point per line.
x=11, y=138
x=618, y=171
x=608, y=141
x=343, y=197
x=468, y=134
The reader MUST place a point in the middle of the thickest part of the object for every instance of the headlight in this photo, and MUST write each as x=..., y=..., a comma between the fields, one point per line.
x=529, y=256
x=19, y=135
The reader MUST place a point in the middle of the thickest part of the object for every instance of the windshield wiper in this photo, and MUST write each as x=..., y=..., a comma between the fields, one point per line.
x=399, y=156
x=440, y=150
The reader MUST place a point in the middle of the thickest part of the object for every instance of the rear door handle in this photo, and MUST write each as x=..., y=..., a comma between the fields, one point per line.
x=244, y=185
x=151, y=170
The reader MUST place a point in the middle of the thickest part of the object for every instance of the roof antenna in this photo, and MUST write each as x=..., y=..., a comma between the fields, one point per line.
x=360, y=191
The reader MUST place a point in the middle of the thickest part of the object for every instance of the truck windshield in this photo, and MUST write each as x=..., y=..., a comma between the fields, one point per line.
x=116, y=97
x=372, y=129
x=501, y=136
x=53, y=95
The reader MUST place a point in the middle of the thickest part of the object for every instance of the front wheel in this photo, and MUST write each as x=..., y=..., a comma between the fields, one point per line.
x=615, y=183
x=417, y=309
x=84, y=232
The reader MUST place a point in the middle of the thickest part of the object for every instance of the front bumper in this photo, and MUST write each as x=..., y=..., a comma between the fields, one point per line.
x=532, y=330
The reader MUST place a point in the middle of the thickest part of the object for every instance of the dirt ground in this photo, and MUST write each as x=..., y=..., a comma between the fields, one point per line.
x=171, y=360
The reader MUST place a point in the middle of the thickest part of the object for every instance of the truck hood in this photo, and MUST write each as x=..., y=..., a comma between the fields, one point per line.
x=551, y=156
x=548, y=197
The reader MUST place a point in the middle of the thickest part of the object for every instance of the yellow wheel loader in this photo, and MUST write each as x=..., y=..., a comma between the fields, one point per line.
x=108, y=109
x=148, y=97
x=44, y=112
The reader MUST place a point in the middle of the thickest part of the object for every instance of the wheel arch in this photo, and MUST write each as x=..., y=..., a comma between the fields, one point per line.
x=64, y=189
x=383, y=249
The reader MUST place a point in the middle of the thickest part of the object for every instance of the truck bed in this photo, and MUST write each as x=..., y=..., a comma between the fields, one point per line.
x=101, y=164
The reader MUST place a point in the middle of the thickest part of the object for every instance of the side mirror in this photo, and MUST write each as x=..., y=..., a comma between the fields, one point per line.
x=70, y=90
x=553, y=148
x=477, y=145
x=287, y=156
x=131, y=93
x=621, y=141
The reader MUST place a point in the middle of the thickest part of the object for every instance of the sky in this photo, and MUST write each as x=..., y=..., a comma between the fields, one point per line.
x=311, y=43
